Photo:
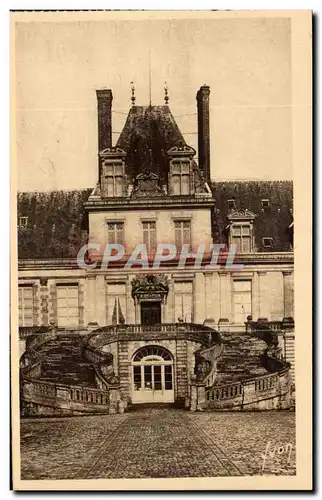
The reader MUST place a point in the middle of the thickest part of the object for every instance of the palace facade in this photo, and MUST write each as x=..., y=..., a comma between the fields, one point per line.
x=201, y=335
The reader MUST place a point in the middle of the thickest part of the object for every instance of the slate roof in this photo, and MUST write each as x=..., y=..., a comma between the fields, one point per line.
x=57, y=223
x=270, y=222
x=149, y=132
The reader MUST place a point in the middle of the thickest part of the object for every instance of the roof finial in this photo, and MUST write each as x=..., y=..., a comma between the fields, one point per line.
x=166, y=96
x=133, y=93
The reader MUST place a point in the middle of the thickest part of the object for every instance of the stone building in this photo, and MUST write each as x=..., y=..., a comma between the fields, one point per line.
x=187, y=330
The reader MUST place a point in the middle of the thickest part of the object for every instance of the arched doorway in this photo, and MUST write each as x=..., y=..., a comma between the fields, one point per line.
x=152, y=375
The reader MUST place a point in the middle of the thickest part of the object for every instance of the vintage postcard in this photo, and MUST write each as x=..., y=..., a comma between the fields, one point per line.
x=161, y=240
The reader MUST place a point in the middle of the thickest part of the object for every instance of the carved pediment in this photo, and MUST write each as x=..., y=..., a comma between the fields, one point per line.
x=113, y=153
x=242, y=214
x=150, y=287
x=147, y=184
x=181, y=151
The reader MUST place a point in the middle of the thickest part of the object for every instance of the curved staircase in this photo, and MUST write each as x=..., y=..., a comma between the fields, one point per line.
x=57, y=378
x=71, y=373
x=250, y=375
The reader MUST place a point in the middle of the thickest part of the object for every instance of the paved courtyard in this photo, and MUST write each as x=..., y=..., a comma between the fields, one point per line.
x=158, y=442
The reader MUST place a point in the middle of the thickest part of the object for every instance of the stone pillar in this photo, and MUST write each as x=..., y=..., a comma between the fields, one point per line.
x=215, y=296
x=197, y=396
x=113, y=401
x=289, y=351
x=193, y=396
x=124, y=370
x=288, y=285
x=169, y=306
x=255, y=297
x=91, y=299
x=225, y=295
x=181, y=370
x=199, y=298
x=100, y=301
x=130, y=306
x=52, y=306
x=81, y=303
x=44, y=301
x=263, y=296
x=137, y=311
x=210, y=297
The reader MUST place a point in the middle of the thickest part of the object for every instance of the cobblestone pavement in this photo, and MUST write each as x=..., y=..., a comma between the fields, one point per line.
x=158, y=442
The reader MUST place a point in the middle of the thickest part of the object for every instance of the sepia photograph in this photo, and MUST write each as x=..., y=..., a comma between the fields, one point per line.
x=155, y=331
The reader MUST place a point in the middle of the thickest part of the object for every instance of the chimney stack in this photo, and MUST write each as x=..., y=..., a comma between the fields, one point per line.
x=104, y=111
x=204, y=131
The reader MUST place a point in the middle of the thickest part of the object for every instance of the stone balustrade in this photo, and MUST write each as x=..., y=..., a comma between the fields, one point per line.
x=68, y=399
x=267, y=392
x=262, y=324
x=185, y=331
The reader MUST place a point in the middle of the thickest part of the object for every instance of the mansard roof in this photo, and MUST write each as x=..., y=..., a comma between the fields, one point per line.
x=57, y=222
x=270, y=201
x=149, y=132
x=56, y=225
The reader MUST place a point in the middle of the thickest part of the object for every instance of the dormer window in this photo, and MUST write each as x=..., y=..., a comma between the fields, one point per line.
x=241, y=230
x=267, y=242
x=112, y=165
x=241, y=237
x=112, y=181
x=180, y=171
x=180, y=177
x=23, y=222
x=265, y=203
x=231, y=204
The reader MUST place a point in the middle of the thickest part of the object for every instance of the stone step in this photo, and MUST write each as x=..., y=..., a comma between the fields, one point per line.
x=240, y=359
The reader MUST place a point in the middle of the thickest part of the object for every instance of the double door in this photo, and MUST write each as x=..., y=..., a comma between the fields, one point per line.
x=153, y=383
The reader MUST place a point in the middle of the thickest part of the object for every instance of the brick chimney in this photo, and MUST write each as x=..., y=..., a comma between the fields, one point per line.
x=203, y=131
x=104, y=112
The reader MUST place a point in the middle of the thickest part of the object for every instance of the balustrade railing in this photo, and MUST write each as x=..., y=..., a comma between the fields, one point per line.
x=108, y=334
x=234, y=390
x=78, y=394
x=224, y=392
x=272, y=326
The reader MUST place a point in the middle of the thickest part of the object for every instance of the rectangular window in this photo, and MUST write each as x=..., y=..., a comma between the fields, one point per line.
x=149, y=235
x=116, y=304
x=180, y=178
x=168, y=377
x=115, y=232
x=241, y=237
x=23, y=222
x=114, y=179
x=183, y=302
x=67, y=305
x=182, y=230
x=231, y=204
x=242, y=292
x=267, y=242
x=26, y=305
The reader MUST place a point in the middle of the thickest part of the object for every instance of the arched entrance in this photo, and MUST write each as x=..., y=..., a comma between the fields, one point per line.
x=152, y=375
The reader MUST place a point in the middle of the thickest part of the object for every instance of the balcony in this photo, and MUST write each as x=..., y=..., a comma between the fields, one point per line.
x=263, y=325
x=190, y=331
